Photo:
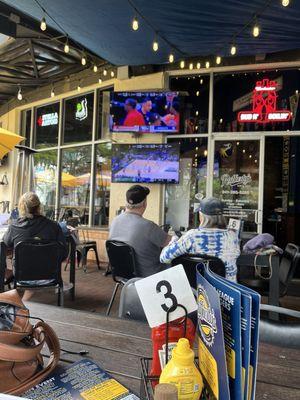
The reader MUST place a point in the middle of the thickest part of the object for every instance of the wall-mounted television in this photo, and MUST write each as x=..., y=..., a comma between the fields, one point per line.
x=144, y=112
x=148, y=163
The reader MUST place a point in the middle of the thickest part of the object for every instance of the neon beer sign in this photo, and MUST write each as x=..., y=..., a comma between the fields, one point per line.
x=264, y=105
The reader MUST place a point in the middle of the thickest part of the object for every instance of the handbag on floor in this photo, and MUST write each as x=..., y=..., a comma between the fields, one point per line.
x=21, y=343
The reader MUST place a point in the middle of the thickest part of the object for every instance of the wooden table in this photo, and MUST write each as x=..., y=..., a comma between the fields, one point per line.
x=117, y=346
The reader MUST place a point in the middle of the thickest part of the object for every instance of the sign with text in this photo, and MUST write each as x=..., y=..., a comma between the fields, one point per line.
x=163, y=291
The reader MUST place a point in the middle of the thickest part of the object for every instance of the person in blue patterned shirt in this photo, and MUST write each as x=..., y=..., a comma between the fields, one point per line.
x=211, y=238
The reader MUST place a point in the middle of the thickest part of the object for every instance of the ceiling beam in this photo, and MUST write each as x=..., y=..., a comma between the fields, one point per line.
x=36, y=72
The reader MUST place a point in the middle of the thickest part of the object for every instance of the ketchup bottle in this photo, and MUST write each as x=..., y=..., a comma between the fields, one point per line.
x=158, y=335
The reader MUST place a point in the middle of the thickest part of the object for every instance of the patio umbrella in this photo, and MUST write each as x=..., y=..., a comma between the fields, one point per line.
x=8, y=140
x=68, y=180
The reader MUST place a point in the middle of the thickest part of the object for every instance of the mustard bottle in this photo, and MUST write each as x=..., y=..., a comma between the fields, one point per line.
x=182, y=372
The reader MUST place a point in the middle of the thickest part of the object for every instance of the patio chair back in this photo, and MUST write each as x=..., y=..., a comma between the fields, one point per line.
x=121, y=258
x=289, y=262
x=38, y=260
x=130, y=304
x=190, y=261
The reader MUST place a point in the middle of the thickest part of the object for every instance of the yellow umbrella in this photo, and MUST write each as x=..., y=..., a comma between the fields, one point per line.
x=48, y=176
x=68, y=180
x=8, y=140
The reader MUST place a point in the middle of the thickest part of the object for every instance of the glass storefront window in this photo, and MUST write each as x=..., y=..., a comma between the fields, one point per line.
x=194, y=94
x=78, y=125
x=180, y=199
x=102, y=185
x=76, y=181
x=26, y=126
x=45, y=178
x=236, y=179
x=256, y=101
x=103, y=122
x=46, y=126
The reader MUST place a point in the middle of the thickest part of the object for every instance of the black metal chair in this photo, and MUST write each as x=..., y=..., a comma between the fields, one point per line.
x=190, y=261
x=130, y=306
x=82, y=249
x=123, y=265
x=37, y=264
x=289, y=262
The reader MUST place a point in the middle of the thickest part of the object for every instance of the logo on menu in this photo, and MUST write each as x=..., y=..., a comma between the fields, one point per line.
x=235, y=180
x=48, y=119
x=264, y=105
x=81, y=110
x=206, y=317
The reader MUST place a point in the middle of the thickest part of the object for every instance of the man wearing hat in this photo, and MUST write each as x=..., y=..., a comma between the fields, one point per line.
x=143, y=235
x=211, y=238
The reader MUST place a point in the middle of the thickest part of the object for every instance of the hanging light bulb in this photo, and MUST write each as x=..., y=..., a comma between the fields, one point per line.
x=43, y=25
x=182, y=64
x=207, y=64
x=218, y=60
x=191, y=66
x=100, y=80
x=83, y=60
x=201, y=81
x=105, y=72
x=285, y=3
x=95, y=68
x=52, y=94
x=155, y=45
x=171, y=58
x=19, y=96
x=256, y=30
x=233, y=50
x=198, y=65
x=78, y=87
x=197, y=113
x=197, y=93
x=112, y=74
x=135, y=24
x=67, y=47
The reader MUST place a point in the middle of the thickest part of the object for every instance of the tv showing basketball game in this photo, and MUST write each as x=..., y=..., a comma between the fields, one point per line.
x=144, y=112
x=148, y=163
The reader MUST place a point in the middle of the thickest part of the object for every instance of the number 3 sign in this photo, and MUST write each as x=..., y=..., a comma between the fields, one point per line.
x=163, y=291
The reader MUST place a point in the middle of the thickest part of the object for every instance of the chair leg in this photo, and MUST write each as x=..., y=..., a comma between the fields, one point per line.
x=97, y=258
x=67, y=263
x=112, y=298
x=84, y=260
x=60, y=296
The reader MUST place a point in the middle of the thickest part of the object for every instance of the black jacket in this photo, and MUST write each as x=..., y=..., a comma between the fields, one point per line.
x=38, y=226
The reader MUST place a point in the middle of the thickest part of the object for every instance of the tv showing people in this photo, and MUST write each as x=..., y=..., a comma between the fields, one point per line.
x=151, y=163
x=144, y=112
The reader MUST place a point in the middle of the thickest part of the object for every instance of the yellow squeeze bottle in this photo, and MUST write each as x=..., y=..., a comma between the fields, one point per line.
x=182, y=372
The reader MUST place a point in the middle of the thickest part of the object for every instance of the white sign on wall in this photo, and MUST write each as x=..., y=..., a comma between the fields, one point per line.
x=164, y=290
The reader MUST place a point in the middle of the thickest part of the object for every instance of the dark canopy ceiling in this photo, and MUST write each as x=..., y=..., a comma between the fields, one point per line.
x=189, y=27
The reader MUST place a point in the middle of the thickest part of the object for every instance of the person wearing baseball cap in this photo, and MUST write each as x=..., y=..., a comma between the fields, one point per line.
x=212, y=238
x=143, y=235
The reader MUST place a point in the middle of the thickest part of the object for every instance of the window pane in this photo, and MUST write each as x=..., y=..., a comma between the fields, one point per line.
x=180, y=199
x=246, y=102
x=102, y=186
x=26, y=126
x=45, y=167
x=75, y=181
x=193, y=102
x=79, y=119
x=46, y=126
x=102, y=131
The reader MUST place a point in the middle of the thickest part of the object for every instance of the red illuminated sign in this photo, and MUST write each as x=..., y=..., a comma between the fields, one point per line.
x=264, y=102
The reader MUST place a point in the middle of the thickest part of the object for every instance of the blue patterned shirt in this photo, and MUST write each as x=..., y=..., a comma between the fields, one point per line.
x=221, y=243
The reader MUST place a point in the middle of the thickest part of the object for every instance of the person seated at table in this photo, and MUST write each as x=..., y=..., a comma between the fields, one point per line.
x=212, y=238
x=32, y=224
x=143, y=235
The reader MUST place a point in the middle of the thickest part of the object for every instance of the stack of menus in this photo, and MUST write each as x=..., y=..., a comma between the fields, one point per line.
x=228, y=324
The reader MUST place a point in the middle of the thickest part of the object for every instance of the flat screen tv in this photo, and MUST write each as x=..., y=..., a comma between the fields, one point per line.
x=148, y=163
x=144, y=112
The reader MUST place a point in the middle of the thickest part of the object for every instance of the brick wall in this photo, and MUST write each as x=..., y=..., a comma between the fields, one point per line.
x=100, y=237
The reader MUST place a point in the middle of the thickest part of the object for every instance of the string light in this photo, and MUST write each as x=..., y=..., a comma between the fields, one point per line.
x=198, y=65
x=233, y=50
x=171, y=58
x=52, y=94
x=191, y=66
x=112, y=74
x=135, y=24
x=207, y=64
x=43, y=25
x=100, y=80
x=19, y=96
x=201, y=81
x=155, y=45
x=218, y=60
x=83, y=60
x=285, y=3
x=182, y=64
x=256, y=30
x=95, y=68
x=105, y=72
x=197, y=93
x=205, y=153
x=197, y=113
x=67, y=47
x=78, y=87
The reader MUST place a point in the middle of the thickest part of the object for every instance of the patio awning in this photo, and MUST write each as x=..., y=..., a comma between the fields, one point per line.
x=191, y=27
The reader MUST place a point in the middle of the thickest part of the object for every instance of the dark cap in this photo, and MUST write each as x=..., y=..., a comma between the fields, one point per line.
x=210, y=206
x=136, y=194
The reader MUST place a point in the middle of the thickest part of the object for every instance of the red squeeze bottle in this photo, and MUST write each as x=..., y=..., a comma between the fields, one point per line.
x=158, y=335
